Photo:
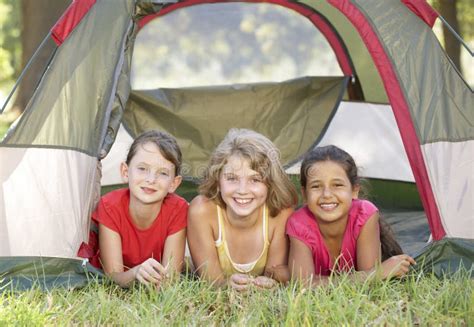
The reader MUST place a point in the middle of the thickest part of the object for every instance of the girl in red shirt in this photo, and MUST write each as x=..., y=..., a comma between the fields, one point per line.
x=142, y=229
x=336, y=231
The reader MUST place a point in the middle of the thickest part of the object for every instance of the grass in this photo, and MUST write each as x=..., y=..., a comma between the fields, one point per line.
x=416, y=300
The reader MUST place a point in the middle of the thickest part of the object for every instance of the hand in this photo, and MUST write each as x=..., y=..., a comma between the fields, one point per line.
x=280, y=273
x=264, y=282
x=396, y=266
x=240, y=282
x=150, y=272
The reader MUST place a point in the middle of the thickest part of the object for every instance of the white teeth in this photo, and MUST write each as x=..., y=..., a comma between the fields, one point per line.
x=243, y=201
x=328, y=206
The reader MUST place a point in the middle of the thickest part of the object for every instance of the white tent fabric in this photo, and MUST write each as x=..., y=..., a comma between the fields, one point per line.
x=370, y=134
x=39, y=216
x=116, y=155
x=454, y=194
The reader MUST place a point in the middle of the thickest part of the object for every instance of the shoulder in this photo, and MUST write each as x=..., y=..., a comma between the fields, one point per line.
x=362, y=208
x=300, y=220
x=282, y=216
x=115, y=199
x=175, y=201
x=361, y=212
x=201, y=208
x=115, y=195
x=112, y=210
x=302, y=225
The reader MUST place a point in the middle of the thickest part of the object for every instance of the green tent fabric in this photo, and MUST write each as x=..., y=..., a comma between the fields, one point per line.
x=293, y=114
x=20, y=273
x=446, y=257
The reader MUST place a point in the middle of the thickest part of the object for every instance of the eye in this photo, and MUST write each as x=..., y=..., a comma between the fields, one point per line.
x=141, y=168
x=315, y=186
x=230, y=178
x=164, y=173
x=256, y=180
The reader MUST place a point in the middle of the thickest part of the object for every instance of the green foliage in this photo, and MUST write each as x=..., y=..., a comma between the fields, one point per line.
x=3, y=129
x=465, y=14
x=10, y=43
x=416, y=300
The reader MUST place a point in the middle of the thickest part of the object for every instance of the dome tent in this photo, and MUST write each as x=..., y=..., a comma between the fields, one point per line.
x=388, y=56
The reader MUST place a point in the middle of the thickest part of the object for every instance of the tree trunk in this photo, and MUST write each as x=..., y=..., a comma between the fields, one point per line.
x=37, y=18
x=448, y=10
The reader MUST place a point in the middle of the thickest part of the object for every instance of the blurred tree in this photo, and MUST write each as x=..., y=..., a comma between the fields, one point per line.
x=460, y=16
x=37, y=18
x=10, y=49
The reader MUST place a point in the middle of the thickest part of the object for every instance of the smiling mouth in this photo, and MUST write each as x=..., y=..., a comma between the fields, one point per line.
x=242, y=201
x=148, y=190
x=328, y=206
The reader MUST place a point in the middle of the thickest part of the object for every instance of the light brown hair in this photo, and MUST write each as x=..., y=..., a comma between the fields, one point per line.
x=263, y=157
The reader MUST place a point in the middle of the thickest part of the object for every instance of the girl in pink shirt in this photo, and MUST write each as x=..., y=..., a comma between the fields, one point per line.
x=335, y=231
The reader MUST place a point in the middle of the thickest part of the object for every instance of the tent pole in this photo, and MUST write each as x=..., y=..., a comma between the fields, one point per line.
x=33, y=57
x=456, y=35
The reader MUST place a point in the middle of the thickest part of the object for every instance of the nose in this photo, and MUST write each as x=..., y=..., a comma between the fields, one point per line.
x=327, y=192
x=150, y=177
x=242, y=186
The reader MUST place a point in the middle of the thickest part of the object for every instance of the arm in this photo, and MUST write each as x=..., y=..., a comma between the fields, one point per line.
x=301, y=264
x=111, y=258
x=201, y=240
x=277, y=261
x=368, y=245
x=173, y=252
x=369, y=254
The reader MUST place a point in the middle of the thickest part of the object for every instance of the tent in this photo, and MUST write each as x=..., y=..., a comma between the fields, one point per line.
x=390, y=96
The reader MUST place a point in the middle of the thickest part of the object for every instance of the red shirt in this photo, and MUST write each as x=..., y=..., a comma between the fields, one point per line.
x=140, y=244
x=303, y=226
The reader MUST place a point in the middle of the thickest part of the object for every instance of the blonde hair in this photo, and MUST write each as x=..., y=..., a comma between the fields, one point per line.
x=263, y=157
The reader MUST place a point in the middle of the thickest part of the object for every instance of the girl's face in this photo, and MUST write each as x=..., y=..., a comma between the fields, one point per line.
x=329, y=192
x=242, y=188
x=150, y=176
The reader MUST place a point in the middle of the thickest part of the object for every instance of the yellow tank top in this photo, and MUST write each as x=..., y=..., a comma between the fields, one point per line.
x=229, y=267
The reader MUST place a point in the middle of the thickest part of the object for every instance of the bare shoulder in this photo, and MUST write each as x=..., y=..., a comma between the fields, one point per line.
x=283, y=216
x=202, y=209
x=279, y=221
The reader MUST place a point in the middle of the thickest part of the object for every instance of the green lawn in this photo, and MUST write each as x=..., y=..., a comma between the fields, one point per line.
x=417, y=300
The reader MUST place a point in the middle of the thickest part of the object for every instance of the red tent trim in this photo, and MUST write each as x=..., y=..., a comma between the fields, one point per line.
x=317, y=19
x=423, y=10
x=400, y=110
x=70, y=19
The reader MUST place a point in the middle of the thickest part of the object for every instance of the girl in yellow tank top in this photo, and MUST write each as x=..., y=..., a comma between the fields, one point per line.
x=228, y=266
x=244, y=187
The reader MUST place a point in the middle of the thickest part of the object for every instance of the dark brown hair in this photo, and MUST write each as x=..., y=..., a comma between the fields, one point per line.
x=167, y=144
x=390, y=246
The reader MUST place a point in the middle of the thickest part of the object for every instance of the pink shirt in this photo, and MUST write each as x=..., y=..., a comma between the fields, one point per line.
x=303, y=226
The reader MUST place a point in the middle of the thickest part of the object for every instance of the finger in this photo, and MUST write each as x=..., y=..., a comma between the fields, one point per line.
x=141, y=279
x=240, y=279
x=411, y=260
x=151, y=274
x=158, y=267
x=264, y=282
x=240, y=287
